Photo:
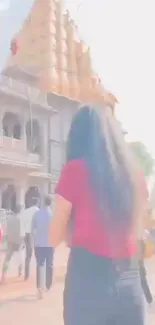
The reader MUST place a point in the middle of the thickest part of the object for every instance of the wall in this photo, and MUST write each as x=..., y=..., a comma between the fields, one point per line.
x=59, y=127
x=24, y=113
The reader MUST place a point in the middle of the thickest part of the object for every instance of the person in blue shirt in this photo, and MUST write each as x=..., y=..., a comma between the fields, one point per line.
x=44, y=253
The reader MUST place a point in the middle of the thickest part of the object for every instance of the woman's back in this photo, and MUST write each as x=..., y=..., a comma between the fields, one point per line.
x=99, y=195
x=90, y=229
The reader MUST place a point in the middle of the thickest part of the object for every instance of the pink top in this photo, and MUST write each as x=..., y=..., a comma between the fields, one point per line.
x=89, y=230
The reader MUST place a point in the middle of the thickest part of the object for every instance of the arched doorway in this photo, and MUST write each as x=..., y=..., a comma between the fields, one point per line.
x=32, y=192
x=9, y=198
x=11, y=126
x=33, y=135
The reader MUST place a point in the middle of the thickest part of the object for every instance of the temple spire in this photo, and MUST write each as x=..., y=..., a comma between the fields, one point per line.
x=49, y=42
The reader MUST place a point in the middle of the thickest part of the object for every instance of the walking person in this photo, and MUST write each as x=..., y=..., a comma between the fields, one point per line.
x=28, y=215
x=43, y=251
x=143, y=274
x=100, y=191
x=15, y=241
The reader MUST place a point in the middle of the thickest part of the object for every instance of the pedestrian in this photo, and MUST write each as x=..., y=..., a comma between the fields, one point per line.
x=100, y=189
x=143, y=274
x=43, y=251
x=28, y=215
x=15, y=241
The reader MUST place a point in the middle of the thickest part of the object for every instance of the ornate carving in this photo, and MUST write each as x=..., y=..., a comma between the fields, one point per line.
x=49, y=40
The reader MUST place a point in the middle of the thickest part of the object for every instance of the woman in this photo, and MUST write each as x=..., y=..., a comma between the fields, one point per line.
x=99, y=195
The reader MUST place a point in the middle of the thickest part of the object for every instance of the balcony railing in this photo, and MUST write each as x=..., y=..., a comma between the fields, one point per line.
x=30, y=93
x=15, y=152
x=12, y=144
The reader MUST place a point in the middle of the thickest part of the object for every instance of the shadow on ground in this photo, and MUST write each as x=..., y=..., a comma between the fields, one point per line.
x=20, y=299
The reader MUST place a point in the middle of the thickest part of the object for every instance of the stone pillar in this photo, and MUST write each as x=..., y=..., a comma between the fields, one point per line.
x=44, y=144
x=43, y=188
x=1, y=123
x=21, y=190
x=23, y=133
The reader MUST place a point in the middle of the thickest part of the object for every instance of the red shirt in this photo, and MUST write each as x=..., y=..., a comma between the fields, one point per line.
x=89, y=230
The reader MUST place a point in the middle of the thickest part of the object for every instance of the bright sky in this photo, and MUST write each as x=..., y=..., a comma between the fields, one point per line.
x=121, y=36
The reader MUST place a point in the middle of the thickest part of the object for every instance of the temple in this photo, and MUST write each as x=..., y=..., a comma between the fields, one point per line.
x=48, y=75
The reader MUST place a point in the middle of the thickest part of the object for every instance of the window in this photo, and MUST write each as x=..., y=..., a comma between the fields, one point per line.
x=17, y=131
x=11, y=125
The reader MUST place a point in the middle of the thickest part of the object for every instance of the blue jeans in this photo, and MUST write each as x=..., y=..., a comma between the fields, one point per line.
x=44, y=259
x=28, y=254
x=100, y=291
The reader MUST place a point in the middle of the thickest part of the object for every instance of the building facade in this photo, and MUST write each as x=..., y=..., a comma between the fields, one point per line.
x=47, y=76
x=24, y=142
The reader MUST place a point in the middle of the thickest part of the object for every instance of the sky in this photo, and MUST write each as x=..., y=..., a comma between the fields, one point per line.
x=12, y=16
x=120, y=34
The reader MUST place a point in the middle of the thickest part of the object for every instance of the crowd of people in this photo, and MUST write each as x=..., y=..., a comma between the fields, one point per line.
x=101, y=204
x=28, y=231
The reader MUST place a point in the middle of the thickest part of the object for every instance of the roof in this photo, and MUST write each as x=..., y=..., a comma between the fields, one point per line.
x=48, y=42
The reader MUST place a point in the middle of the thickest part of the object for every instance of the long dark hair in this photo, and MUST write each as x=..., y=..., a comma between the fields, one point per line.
x=96, y=136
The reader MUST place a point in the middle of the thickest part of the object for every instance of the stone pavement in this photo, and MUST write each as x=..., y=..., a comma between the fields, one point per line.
x=19, y=306
x=18, y=303
x=25, y=309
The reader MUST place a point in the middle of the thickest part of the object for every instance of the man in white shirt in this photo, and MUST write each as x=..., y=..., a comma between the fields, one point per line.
x=15, y=240
x=28, y=215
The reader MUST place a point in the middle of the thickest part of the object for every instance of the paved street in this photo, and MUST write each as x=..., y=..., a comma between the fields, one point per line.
x=19, y=306
x=18, y=303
